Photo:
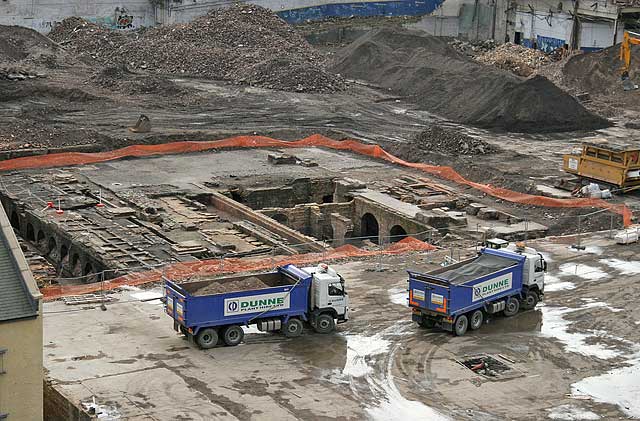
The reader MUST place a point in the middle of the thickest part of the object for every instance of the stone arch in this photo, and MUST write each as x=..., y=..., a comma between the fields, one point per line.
x=369, y=227
x=52, y=246
x=88, y=269
x=40, y=239
x=281, y=218
x=74, y=265
x=90, y=273
x=397, y=233
x=31, y=235
x=15, y=220
x=64, y=252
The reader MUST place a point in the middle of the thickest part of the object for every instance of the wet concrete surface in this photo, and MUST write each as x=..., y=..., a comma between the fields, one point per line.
x=574, y=357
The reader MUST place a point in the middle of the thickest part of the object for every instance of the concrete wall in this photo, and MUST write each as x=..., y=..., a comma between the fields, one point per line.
x=21, y=384
x=41, y=15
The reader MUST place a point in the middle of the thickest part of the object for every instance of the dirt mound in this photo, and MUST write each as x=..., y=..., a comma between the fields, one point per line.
x=243, y=284
x=120, y=78
x=517, y=59
x=11, y=91
x=599, y=72
x=451, y=142
x=440, y=79
x=18, y=43
x=243, y=44
x=30, y=133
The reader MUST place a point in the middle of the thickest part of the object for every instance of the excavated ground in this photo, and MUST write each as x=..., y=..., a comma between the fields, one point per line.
x=78, y=106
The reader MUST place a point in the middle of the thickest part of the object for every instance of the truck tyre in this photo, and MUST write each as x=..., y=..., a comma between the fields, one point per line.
x=292, y=328
x=477, y=317
x=512, y=307
x=325, y=323
x=207, y=338
x=529, y=301
x=462, y=323
x=233, y=335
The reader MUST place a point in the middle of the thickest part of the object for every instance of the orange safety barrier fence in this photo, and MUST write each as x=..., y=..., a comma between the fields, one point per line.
x=209, y=267
x=76, y=158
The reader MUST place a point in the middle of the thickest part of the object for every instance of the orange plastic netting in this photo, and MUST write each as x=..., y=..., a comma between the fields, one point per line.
x=76, y=158
x=190, y=270
x=232, y=265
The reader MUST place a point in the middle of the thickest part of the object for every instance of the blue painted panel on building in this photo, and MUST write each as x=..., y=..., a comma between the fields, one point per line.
x=527, y=43
x=390, y=8
x=548, y=44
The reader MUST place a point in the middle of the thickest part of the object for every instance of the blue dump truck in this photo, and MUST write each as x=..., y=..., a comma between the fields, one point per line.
x=460, y=296
x=213, y=311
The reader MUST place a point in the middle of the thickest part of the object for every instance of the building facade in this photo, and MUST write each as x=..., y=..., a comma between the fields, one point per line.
x=21, y=373
x=42, y=15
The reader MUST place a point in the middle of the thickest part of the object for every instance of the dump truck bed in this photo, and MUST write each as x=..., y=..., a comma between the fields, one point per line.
x=236, y=300
x=467, y=285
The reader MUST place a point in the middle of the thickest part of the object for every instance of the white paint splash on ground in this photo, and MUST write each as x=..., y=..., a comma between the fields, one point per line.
x=620, y=386
x=395, y=407
x=151, y=296
x=590, y=273
x=571, y=413
x=631, y=267
x=363, y=353
x=360, y=350
x=554, y=325
x=399, y=296
x=553, y=283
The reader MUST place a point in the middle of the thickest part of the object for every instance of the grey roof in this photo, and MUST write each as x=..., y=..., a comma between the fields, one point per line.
x=16, y=301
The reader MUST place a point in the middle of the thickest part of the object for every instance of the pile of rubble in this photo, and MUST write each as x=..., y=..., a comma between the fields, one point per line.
x=473, y=48
x=517, y=59
x=451, y=142
x=244, y=44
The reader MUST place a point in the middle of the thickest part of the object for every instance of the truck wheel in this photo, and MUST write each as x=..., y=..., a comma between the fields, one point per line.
x=530, y=300
x=477, y=317
x=233, y=335
x=325, y=323
x=462, y=323
x=292, y=328
x=207, y=338
x=512, y=307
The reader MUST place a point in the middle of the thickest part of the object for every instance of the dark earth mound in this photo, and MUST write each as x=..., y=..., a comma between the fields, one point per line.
x=441, y=80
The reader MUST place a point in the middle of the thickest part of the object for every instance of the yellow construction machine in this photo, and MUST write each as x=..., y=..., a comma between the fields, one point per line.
x=628, y=39
x=611, y=165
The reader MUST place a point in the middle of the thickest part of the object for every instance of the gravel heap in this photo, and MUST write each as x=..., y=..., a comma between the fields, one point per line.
x=515, y=58
x=241, y=284
x=244, y=44
x=451, y=142
x=472, y=48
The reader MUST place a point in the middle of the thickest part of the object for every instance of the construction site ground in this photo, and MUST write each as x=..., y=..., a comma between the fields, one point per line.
x=572, y=358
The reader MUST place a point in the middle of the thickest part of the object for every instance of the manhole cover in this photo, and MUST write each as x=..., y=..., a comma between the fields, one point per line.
x=488, y=366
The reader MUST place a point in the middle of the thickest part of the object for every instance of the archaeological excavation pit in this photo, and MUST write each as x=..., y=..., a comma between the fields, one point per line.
x=109, y=219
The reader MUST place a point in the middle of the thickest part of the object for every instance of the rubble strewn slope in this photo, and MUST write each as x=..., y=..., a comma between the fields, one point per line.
x=244, y=44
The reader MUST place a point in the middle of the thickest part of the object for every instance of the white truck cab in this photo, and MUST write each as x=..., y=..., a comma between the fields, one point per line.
x=533, y=273
x=328, y=294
